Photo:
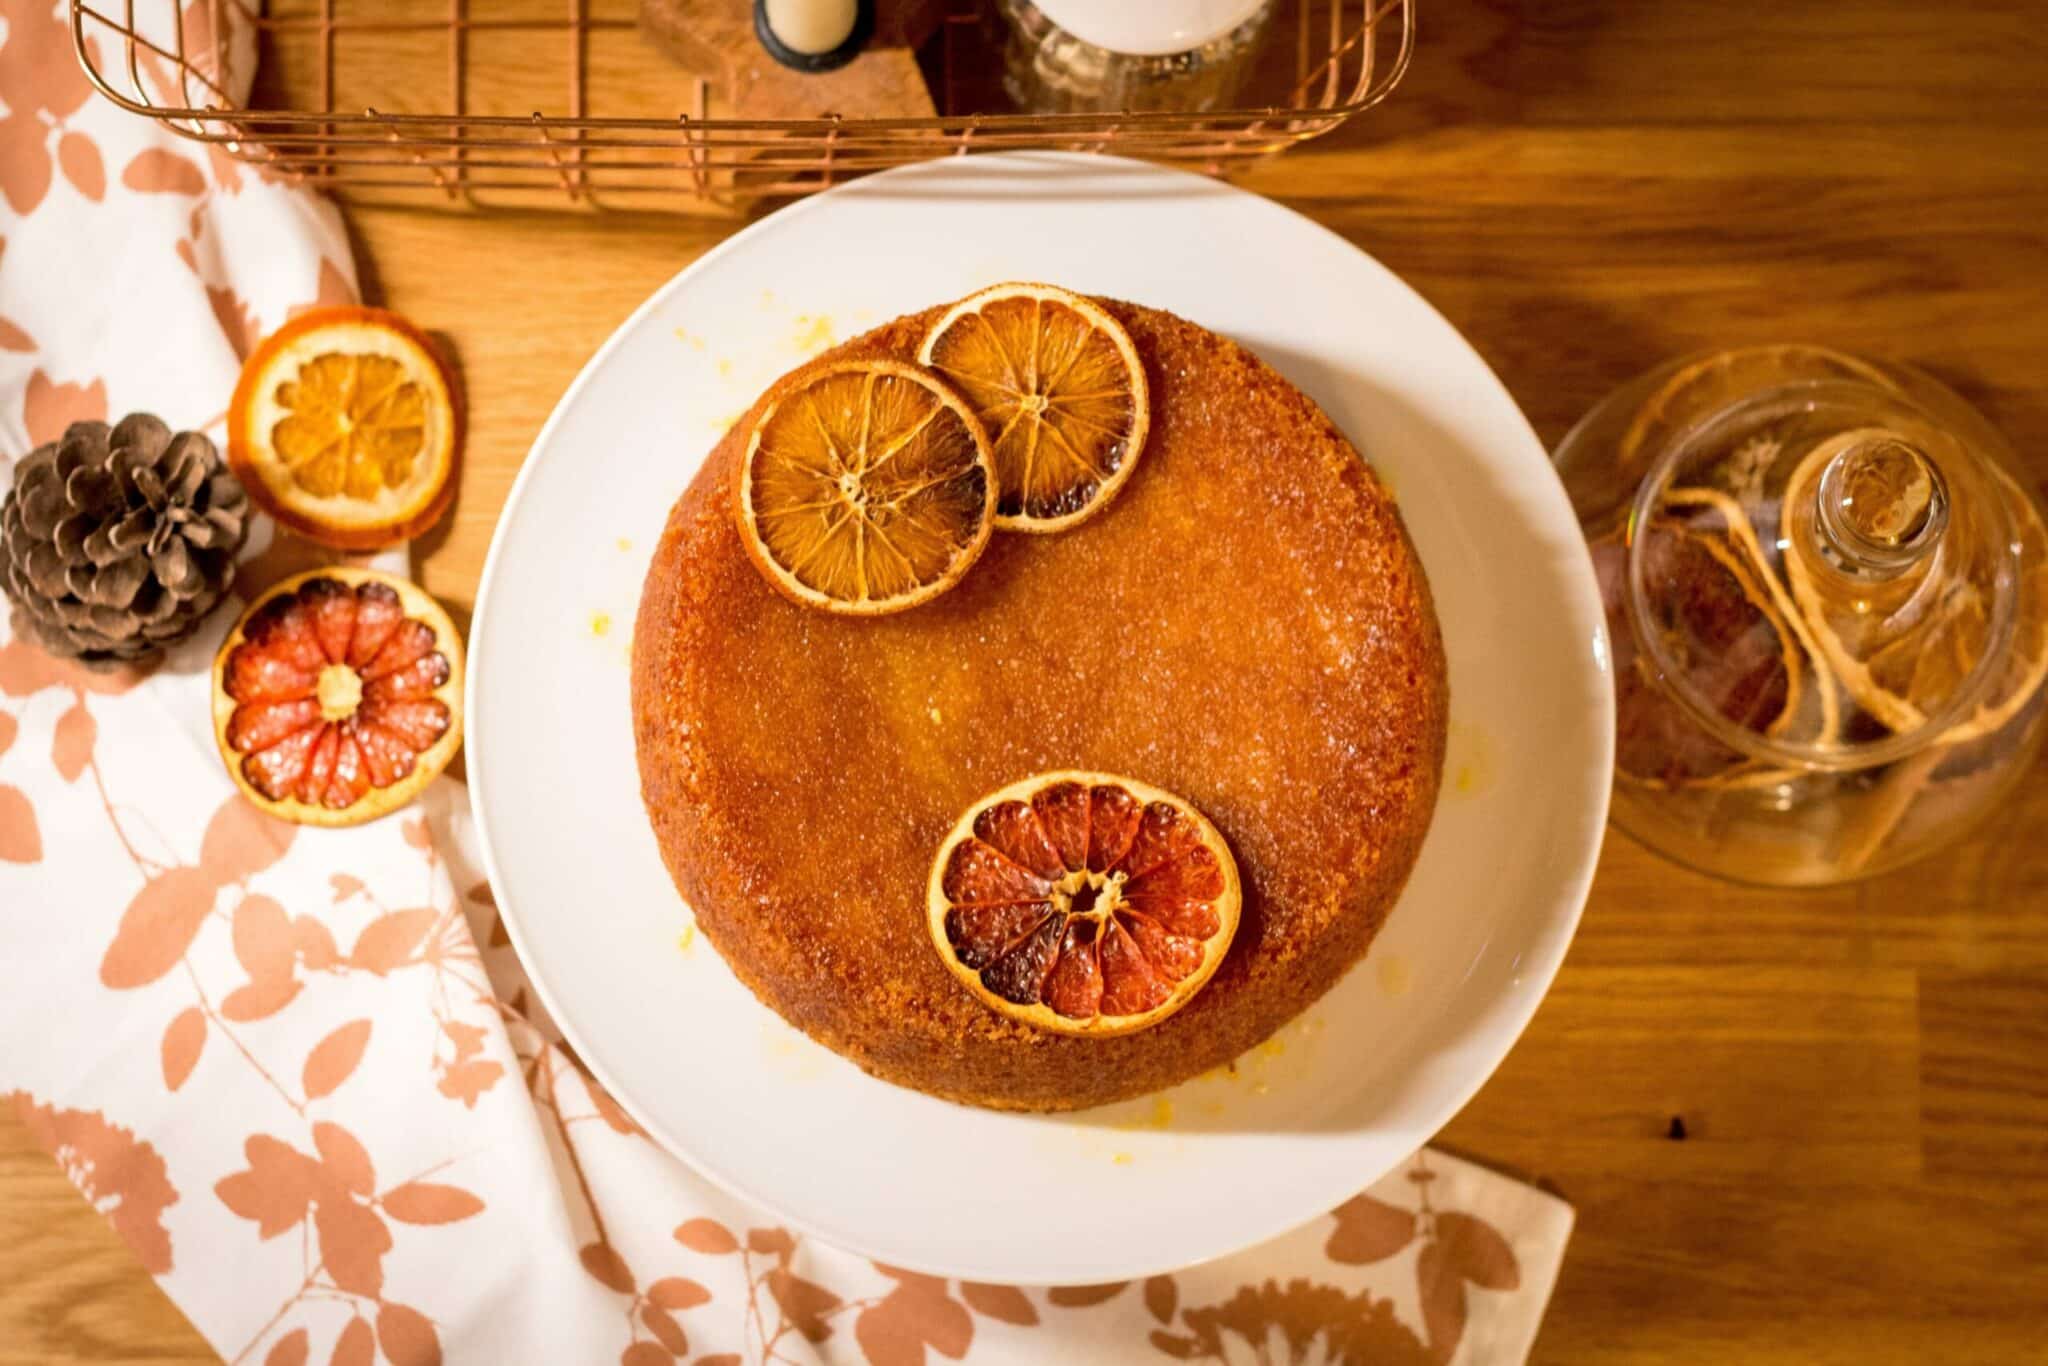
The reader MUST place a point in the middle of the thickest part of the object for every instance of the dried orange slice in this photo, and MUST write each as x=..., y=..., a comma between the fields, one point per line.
x=866, y=487
x=1059, y=386
x=1083, y=903
x=345, y=427
x=338, y=696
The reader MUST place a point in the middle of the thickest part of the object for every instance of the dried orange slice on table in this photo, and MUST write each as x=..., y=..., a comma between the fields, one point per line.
x=338, y=696
x=346, y=426
x=1083, y=903
x=866, y=487
x=1058, y=384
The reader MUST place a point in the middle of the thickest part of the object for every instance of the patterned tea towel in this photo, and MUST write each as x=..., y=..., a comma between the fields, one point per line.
x=300, y=1070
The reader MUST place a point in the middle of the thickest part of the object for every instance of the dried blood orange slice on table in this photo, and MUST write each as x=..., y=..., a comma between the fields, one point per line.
x=345, y=427
x=866, y=487
x=1083, y=903
x=1059, y=386
x=338, y=696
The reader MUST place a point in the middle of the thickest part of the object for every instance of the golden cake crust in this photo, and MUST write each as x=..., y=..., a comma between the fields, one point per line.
x=1246, y=625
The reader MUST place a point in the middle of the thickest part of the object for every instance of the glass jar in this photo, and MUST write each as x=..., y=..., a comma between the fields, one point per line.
x=1083, y=56
x=1827, y=592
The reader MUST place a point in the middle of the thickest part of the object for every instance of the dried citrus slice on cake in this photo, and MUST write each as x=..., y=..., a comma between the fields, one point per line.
x=338, y=696
x=345, y=426
x=1083, y=903
x=1059, y=386
x=866, y=487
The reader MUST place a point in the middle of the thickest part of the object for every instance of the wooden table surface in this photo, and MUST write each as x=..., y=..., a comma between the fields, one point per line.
x=1583, y=188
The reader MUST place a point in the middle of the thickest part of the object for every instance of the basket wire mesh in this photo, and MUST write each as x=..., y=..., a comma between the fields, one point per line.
x=320, y=116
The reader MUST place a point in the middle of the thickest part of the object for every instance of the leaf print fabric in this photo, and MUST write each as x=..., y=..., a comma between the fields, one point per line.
x=301, y=1072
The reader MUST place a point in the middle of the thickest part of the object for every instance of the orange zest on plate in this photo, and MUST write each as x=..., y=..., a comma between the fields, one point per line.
x=1083, y=903
x=346, y=427
x=1058, y=384
x=866, y=487
x=338, y=696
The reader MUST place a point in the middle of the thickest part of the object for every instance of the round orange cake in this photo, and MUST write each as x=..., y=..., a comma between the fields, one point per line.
x=1246, y=625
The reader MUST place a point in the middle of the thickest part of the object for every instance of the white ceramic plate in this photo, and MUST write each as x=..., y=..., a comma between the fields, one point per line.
x=1339, y=1097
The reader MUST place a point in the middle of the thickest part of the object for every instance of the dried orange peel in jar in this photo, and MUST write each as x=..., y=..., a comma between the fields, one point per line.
x=1083, y=903
x=338, y=696
x=866, y=487
x=1901, y=679
x=1694, y=390
x=1057, y=382
x=1711, y=609
x=346, y=427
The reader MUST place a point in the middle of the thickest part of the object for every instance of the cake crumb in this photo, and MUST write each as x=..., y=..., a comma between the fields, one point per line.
x=725, y=367
x=1122, y=1159
x=624, y=544
x=688, y=938
x=600, y=623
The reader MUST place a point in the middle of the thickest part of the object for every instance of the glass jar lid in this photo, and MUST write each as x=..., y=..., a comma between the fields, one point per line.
x=1828, y=573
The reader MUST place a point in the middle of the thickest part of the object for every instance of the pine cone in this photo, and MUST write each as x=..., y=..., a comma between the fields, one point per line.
x=116, y=542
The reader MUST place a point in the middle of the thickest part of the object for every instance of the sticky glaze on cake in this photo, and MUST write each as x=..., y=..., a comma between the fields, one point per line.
x=1246, y=625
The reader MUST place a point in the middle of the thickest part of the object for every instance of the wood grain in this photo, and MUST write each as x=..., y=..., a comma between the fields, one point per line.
x=1583, y=188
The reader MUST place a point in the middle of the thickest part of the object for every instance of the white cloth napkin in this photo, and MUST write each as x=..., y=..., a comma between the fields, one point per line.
x=301, y=1072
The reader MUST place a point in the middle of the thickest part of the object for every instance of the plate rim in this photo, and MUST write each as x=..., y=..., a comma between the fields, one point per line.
x=1575, y=890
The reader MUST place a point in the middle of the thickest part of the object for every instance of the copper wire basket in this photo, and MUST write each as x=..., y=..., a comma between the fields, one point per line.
x=319, y=115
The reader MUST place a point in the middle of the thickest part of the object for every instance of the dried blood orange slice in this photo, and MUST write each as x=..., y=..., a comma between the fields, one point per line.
x=1059, y=386
x=1083, y=903
x=338, y=696
x=345, y=426
x=866, y=487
